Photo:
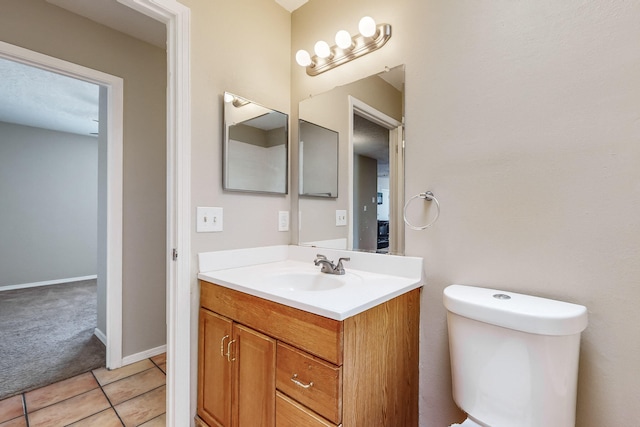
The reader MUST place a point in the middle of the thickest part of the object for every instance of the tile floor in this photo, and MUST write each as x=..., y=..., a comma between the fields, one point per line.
x=133, y=395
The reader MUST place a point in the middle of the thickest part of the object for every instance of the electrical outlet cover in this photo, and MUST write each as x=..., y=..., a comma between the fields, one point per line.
x=283, y=220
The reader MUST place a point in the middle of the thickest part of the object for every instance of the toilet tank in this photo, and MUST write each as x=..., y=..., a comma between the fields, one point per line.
x=514, y=357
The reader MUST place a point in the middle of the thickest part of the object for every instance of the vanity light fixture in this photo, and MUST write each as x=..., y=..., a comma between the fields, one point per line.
x=236, y=101
x=371, y=37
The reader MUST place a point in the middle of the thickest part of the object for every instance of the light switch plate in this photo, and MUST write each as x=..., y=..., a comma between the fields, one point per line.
x=283, y=220
x=208, y=219
x=341, y=217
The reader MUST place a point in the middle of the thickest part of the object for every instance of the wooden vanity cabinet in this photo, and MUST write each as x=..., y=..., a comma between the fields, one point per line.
x=293, y=368
x=236, y=374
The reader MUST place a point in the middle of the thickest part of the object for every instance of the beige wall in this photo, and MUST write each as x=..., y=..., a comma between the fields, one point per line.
x=246, y=54
x=522, y=117
x=47, y=29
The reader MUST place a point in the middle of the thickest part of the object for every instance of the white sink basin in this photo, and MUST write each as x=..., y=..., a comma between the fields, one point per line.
x=308, y=281
x=287, y=275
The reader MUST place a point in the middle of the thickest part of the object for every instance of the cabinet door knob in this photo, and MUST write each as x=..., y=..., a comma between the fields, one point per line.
x=229, y=358
x=299, y=383
x=222, y=345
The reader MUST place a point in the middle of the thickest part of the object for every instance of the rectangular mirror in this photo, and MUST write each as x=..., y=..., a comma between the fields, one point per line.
x=318, y=167
x=366, y=213
x=255, y=147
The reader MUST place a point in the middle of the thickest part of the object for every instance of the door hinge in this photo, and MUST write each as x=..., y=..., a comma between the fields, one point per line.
x=174, y=254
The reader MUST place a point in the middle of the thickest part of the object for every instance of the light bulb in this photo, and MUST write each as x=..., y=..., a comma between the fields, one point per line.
x=322, y=49
x=343, y=39
x=367, y=26
x=303, y=58
x=228, y=97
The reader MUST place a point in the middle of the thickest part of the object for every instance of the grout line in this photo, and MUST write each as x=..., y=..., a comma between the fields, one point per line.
x=91, y=415
x=128, y=376
x=24, y=408
x=108, y=400
x=148, y=421
x=158, y=366
x=142, y=394
x=64, y=400
x=59, y=401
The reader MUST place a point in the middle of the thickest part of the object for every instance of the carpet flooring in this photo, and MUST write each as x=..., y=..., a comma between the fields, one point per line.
x=46, y=335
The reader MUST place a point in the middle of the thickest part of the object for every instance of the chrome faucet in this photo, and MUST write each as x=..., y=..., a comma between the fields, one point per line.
x=328, y=266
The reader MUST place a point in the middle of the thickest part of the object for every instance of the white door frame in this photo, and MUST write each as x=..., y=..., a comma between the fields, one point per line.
x=114, y=89
x=363, y=109
x=176, y=17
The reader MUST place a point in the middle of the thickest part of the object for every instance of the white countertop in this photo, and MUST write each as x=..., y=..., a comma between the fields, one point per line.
x=370, y=279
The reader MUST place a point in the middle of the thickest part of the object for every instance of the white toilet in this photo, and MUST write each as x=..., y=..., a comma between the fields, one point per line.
x=514, y=357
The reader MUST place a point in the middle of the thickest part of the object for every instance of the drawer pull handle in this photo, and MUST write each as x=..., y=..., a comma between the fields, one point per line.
x=229, y=358
x=222, y=345
x=299, y=383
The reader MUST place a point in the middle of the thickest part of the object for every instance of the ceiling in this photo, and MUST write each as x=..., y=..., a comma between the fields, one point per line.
x=119, y=17
x=33, y=97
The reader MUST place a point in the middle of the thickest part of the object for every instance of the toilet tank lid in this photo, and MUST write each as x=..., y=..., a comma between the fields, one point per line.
x=520, y=312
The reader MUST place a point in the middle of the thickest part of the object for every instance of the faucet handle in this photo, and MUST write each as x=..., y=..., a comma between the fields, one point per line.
x=340, y=267
x=319, y=258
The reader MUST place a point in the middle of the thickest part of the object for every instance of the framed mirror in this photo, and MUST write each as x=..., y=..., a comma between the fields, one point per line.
x=366, y=214
x=255, y=147
x=318, y=167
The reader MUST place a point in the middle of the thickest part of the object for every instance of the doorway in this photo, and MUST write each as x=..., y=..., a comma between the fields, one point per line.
x=109, y=242
x=375, y=179
x=175, y=17
x=49, y=222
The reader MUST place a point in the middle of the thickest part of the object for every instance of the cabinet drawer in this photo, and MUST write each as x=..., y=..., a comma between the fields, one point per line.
x=310, y=380
x=316, y=334
x=291, y=414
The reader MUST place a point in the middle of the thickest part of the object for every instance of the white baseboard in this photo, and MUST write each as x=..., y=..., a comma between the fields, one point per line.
x=127, y=360
x=46, y=283
x=100, y=335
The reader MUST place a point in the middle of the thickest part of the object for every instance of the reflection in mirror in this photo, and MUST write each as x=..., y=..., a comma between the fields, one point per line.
x=318, y=167
x=367, y=214
x=255, y=147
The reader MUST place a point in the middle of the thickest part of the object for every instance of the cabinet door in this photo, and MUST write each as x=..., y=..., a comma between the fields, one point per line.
x=255, y=372
x=214, y=369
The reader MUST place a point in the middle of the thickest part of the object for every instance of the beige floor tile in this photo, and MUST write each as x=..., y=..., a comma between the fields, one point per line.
x=135, y=385
x=16, y=422
x=105, y=376
x=143, y=408
x=160, y=359
x=70, y=410
x=107, y=418
x=160, y=421
x=57, y=392
x=11, y=408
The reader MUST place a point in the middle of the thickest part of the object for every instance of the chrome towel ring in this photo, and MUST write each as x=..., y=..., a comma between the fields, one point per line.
x=427, y=195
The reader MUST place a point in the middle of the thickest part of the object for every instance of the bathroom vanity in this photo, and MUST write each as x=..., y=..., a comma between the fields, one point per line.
x=301, y=356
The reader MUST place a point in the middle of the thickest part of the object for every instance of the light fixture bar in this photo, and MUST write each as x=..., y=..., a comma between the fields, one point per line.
x=360, y=46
